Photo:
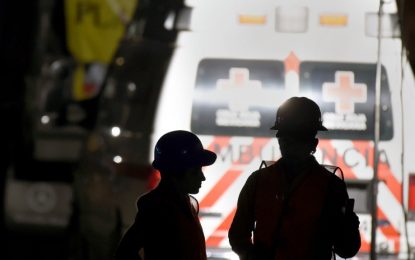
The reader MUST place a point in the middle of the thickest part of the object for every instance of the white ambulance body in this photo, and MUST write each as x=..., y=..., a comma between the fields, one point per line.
x=241, y=59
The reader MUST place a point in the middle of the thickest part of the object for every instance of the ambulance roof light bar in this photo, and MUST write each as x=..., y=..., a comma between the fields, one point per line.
x=333, y=19
x=252, y=19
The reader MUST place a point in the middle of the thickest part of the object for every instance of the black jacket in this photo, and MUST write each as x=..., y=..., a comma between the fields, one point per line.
x=166, y=227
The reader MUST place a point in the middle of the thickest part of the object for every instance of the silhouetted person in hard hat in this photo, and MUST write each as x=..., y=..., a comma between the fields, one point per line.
x=167, y=224
x=295, y=208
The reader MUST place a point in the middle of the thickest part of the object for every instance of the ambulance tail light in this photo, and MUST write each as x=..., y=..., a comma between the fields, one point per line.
x=143, y=172
x=291, y=19
x=154, y=179
x=411, y=195
x=390, y=25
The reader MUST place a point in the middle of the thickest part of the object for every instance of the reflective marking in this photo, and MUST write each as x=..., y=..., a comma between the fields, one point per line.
x=390, y=206
x=221, y=186
x=222, y=231
x=390, y=232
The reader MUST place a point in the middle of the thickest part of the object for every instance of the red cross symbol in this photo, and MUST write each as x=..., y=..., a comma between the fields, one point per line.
x=344, y=92
x=238, y=77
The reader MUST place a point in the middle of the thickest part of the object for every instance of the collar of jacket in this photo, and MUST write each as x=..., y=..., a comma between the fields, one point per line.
x=292, y=171
x=171, y=192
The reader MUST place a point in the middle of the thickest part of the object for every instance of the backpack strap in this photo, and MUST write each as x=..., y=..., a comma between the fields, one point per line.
x=265, y=164
x=336, y=170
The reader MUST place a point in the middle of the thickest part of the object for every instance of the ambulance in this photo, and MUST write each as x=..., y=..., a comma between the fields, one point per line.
x=234, y=62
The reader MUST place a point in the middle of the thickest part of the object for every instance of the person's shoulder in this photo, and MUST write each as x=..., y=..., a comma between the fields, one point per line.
x=265, y=174
x=329, y=174
x=333, y=178
x=258, y=173
x=337, y=187
x=271, y=169
x=148, y=199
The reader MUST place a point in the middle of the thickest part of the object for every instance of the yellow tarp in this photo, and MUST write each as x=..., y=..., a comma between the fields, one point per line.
x=94, y=27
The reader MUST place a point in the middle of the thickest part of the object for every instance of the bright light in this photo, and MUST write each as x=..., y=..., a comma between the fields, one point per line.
x=45, y=119
x=169, y=22
x=115, y=131
x=252, y=19
x=117, y=159
x=131, y=86
x=334, y=19
x=222, y=255
x=231, y=256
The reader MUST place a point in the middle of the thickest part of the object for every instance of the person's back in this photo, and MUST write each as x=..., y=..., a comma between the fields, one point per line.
x=166, y=224
x=294, y=208
x=169, y=225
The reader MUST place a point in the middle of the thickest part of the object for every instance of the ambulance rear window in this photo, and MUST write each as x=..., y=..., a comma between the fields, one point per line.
x=237, y=97
x=345, y=93
x=240, y=97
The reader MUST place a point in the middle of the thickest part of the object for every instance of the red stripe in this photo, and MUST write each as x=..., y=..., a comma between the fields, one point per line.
x=393, y=185
x=215, y=240
x=221, y=186
x=365, y=245
x=389, y=231
x=219, y=142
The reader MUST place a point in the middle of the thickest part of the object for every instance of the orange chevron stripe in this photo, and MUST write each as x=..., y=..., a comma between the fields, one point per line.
x=365, y=245
x=220, y=188
x=389, y=231
x=215, y=239
x=384, y=170
x=392, y=183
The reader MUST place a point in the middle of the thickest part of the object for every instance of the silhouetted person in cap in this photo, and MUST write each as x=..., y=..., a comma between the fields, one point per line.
x=167, y=225
x=295, y=208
